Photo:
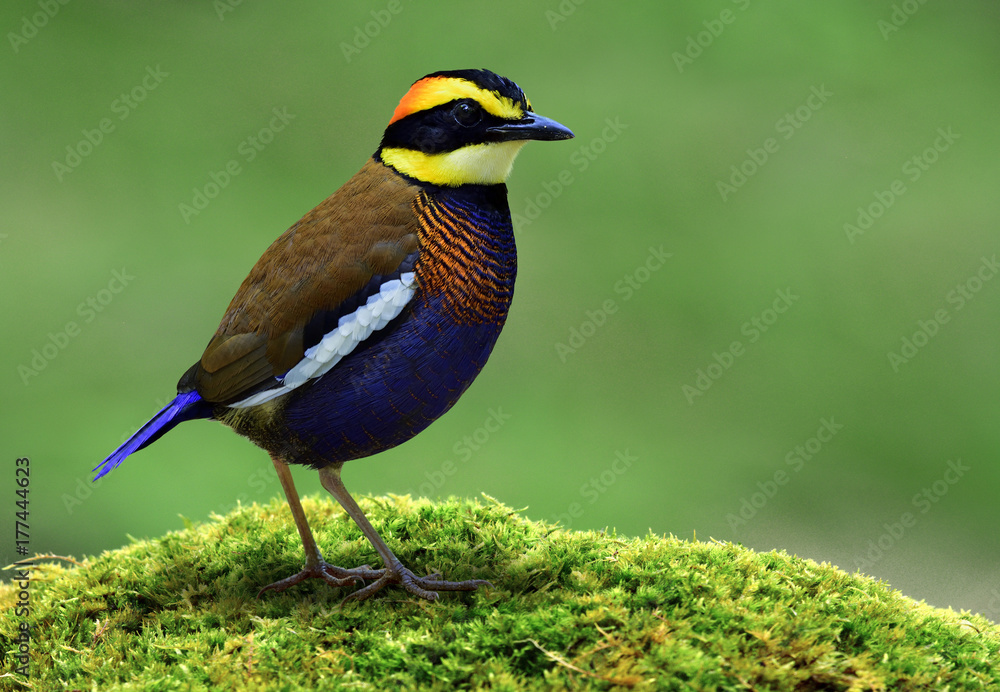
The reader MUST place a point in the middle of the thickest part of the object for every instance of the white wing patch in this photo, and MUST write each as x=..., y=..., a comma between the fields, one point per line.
x=351, y=330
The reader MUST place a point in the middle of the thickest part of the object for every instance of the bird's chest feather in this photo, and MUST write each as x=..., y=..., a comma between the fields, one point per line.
x=403, y=377
x=467, y=259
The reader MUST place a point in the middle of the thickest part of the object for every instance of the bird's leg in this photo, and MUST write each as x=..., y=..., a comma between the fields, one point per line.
x=394, y=572
x=316, y=566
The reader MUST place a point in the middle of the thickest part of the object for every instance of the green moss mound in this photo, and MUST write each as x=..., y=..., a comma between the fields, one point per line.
x=570, y=610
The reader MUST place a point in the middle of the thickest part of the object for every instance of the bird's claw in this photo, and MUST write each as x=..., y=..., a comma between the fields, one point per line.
x=331, y=574
x=424, y=587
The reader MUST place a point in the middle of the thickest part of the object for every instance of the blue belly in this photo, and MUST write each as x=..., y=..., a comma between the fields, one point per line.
x=390, y=388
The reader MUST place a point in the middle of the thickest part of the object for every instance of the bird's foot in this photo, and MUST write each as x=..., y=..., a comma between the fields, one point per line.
x=424, y=587
x=331, y=574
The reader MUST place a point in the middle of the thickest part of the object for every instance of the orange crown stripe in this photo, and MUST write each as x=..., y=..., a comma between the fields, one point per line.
x=434, y=91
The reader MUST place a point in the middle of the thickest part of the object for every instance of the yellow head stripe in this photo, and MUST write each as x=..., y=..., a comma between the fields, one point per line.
x=434, y=91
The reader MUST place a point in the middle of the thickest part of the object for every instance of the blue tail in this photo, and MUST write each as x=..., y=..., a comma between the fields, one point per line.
x=184, y=407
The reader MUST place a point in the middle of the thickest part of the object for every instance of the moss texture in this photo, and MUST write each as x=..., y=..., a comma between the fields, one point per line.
x=570, y=610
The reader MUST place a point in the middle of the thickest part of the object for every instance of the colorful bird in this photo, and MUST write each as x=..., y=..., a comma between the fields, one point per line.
x=367, y=320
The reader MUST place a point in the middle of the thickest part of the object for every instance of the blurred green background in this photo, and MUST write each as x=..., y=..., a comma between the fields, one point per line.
x=610, y=400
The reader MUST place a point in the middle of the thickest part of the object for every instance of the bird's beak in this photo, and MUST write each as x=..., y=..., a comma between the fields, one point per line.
x=531, y=126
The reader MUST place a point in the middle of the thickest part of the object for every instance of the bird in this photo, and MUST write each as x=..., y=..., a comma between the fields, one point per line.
x=366, y=320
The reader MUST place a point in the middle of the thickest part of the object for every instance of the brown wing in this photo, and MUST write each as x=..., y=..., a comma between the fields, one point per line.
x=365, y=228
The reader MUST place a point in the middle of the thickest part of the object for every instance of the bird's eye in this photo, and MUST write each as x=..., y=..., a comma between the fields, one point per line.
x=466, y=114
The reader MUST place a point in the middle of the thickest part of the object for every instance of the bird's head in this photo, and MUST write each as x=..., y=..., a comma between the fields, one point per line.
x=462, y=127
